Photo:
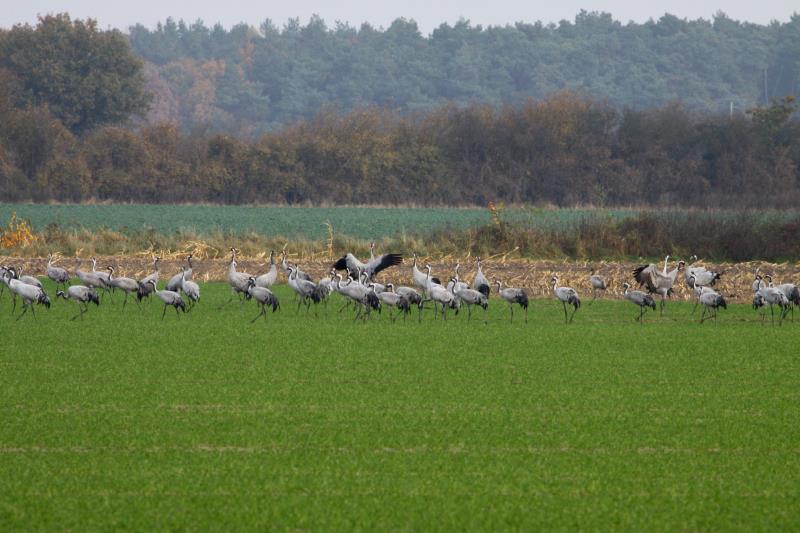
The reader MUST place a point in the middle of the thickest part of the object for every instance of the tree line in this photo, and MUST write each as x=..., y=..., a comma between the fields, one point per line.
x=563, y=150
x=246, y=81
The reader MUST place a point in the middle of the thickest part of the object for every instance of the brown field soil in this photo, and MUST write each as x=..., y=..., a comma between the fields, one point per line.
x=533, y=275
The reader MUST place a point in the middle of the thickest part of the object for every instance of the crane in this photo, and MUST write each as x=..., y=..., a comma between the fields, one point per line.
x=190, y=289
x=59, y=275
x=145, y=287
x=263, y=296
x=513, y=296
x=567, y=296
x=126, y=285
x=30, y=294
x=597, y=283
x=82, y=295
x=170, y=298
x=268, y=280
x=480, y=283
x=711, y=301
x=642, y=299
x=371, y=267
x=470, y=297
x=174, y=283
x=389, y=298
x=658, y=282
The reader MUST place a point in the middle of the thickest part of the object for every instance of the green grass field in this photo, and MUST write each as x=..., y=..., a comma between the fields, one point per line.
x=124, y=421
x=292, y=222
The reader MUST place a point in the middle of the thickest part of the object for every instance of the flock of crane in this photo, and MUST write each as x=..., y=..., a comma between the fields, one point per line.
x=360, y=290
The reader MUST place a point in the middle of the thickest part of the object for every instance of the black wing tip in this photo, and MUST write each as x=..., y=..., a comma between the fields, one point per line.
x=484, y=289
x=341, y=263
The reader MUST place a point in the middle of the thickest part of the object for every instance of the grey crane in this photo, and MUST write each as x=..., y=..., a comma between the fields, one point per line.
x=771, y=296
x=263, y=296
x=89, y=279
x=390, y=299
x=471, y=297
x=29, y=294
x=698, y=290
x=702, y=276
x=170, y=298
x=28, y=280
x=145, y=287
x=658, y=282
x=239, y=281
x=598, y=284
x=371, y=267
x=190, y=289
x=364, y=297
x=286, y=268
x=82, y=295
x=480, y=283
x=307, y=291
x=567, y=296
x=174, y=283
x=441, y=295
x=513, y=296
x=59, y=275
x=790, y=290
x=711, y=301
x=268, y=280
x=413, y=297
x=459, y=284
x=126, y=285
x=642, y=299
x=102, y=275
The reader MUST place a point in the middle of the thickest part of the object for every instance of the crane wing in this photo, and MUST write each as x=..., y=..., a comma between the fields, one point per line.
x=348, y=261
x=383, y=262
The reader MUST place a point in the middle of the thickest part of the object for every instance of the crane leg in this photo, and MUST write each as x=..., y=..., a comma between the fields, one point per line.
x=165, y=312
x=469, y=312
x=24, y=310
x=574, y=310
x=702, y=316
x=14, y=307
x=564, y=305
x=176, y=311
x=594, y=296
x=511, y=308
x=695, y=306
x=526, y=315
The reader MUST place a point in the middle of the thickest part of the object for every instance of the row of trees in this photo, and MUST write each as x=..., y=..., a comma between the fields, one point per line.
x=247, y=81
x=564, y=150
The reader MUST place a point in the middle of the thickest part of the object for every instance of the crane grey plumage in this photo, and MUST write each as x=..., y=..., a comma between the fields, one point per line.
x=191, y=290
x=711, y=301
x=371, y=267
x=702, y=276
x=30, y=294
x=480, y=283
x=771, y=296
x=567, y=296
x=174, y=283
x=790, y=290
x=597, y=283
x=102, y=275
x=441, y=295
x=82, y=295
x=471, y=297
x=268, y=280
x=513, y=296
x=59, y=275
x=389, y=298
x=126, y=285
x=239, y=281
x=286, y=268
x=641, y=299
x=263, y=296
x=306, y=290
x=89, y=279
x=658, y=282
x=698, y=291
x=145, y=287
x=170, y=298
x=28, y=280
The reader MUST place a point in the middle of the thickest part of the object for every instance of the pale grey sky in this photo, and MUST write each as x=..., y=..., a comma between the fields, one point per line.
x=427, y=13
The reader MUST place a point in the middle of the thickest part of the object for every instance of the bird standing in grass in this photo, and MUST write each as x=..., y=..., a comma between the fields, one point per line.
x=480, y=283
x=82, y=295
x=59, y=275
x=567, y=296
x=170, y=298
x=598, y=284
x=711, y=301
x=513, y=296
x=263, y=296
x=642, y=299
